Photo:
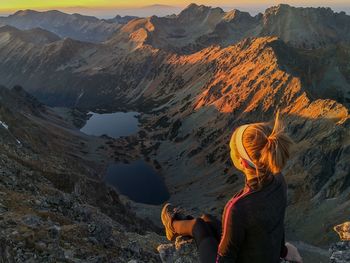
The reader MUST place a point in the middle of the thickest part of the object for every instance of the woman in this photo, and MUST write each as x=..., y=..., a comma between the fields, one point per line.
x=252, y=225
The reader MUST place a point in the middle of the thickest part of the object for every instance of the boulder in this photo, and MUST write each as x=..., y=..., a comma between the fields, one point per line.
x=340, y=252
x=343, y=231
x=184, y=250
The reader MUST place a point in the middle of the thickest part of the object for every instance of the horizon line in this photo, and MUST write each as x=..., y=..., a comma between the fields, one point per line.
x=70, y=9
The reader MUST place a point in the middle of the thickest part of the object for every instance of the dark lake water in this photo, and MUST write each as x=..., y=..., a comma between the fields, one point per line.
x=112, y=124
x=139, y=181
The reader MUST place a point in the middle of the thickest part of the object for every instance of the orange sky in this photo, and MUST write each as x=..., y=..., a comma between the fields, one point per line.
x=9, y=6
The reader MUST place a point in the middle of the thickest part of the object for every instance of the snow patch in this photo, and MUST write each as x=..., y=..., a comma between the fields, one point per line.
x=3, y=124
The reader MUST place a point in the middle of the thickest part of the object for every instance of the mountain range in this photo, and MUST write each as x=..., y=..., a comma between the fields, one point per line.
x=145, y=45
x=80, y=27
x=197, y=27
x=195, y=77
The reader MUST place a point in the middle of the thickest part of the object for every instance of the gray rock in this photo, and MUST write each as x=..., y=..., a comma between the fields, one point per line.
x=183, y=251
x=343, y=231
x=340, y=252
x=32, y=220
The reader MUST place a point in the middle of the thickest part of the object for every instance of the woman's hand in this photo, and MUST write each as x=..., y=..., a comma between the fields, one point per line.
x=293, y=254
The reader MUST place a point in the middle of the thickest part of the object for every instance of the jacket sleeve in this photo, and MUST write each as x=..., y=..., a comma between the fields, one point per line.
x=284, y=249
x=232, y=236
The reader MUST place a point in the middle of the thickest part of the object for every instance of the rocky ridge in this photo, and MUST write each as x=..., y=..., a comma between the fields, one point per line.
x=199, y=26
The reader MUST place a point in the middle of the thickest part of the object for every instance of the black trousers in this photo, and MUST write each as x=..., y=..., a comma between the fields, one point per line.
x=207, y=234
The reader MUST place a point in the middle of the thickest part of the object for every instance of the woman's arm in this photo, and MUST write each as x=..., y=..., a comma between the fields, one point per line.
x=232, y=235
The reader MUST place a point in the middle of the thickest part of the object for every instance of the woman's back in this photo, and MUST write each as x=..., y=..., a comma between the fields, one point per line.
x=253, y=228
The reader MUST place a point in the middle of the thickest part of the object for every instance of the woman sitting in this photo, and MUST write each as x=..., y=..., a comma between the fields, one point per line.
x=252, y=225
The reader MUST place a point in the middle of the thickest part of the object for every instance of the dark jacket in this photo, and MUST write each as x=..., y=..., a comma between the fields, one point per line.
x=253, y=225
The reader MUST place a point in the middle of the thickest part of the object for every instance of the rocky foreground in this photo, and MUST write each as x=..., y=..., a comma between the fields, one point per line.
x=184, y=250
x=53, y=205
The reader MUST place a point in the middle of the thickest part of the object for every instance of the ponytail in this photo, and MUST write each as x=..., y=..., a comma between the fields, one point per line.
x=276, y=151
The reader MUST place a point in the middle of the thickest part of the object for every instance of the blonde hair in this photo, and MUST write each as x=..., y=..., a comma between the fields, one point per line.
x=268, y=146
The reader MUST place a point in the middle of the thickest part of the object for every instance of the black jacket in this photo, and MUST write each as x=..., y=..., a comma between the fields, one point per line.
x=253, y=225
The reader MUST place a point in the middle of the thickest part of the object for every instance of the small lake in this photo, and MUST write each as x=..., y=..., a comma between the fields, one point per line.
x=139, y=181
x=112, y=124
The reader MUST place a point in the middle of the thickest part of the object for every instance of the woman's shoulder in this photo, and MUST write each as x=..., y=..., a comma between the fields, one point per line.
x=280, y=178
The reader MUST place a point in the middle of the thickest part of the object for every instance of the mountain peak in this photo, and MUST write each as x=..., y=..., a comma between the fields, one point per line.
x=282, y=8
x=35, y=35
x=25, y=12
x=194, y=8
x=306, y=27
x=195, y=12
x=191, y=6
x=278, y=9
x=237, y=14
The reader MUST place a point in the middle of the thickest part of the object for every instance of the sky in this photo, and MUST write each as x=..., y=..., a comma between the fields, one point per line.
x=104, y=8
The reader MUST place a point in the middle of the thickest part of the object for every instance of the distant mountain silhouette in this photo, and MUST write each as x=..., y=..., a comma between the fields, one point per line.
x=80, y=27
x=150, y=10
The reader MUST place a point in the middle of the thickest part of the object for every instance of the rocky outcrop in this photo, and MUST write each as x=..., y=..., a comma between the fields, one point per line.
x=343, y=231
x=184, y=250
x=340, y=252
